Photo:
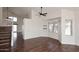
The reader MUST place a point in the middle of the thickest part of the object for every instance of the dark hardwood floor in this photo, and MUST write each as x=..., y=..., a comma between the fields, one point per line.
x=19, y=43
x=20, y=47
x=70, y=48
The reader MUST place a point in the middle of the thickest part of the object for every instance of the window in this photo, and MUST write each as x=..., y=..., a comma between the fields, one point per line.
x=56, y=28
x=51, y=27
x=68, y=27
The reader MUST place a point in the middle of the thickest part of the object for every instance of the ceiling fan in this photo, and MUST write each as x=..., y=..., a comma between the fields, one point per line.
x=41, y=13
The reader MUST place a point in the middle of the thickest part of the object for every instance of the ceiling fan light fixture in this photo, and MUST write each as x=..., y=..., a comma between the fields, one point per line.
x=41, y=13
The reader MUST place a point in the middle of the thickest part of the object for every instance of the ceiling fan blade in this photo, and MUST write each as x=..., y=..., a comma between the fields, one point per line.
x=45, y=13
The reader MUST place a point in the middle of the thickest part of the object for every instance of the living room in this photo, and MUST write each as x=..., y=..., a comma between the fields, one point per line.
x=59, y=23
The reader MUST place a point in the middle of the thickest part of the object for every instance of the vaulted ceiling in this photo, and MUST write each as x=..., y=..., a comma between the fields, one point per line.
x=21, y=11
x=26, y=11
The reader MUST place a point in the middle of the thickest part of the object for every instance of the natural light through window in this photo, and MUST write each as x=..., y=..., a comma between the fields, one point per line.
x=68, y=28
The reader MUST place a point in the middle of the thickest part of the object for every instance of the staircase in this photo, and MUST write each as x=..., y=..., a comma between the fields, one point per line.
x=5, y=38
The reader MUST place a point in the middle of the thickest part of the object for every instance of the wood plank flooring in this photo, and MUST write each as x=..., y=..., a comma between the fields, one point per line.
x=20, y=47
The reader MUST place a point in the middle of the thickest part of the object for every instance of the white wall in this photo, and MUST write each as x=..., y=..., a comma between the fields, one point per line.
x=77, y=27
x=34, y=27
x=20, y=23
x=67, y=14
x=0, y=15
